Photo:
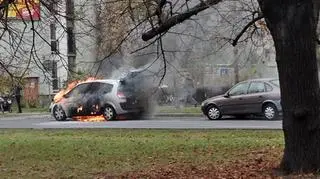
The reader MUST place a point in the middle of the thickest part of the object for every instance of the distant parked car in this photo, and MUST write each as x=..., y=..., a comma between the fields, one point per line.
x=5, y=103
x=257, y=96
x=110, y=98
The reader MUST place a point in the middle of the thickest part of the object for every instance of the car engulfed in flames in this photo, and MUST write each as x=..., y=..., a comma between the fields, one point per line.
x=93, y=117
x=96, y=100
x=98, y=118
x=70, y=86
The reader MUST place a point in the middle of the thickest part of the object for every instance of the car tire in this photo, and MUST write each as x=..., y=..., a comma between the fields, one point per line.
x=270, y=111
x=109, y=113
x=59, y=114
x=213, y=112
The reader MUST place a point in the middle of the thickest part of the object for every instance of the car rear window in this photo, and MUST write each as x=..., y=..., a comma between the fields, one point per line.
x=268, y=87
x=126, y=87
x=275, y=82
x=105, y=88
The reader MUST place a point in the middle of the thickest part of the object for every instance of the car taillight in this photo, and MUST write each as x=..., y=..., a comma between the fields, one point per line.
x=121, y=95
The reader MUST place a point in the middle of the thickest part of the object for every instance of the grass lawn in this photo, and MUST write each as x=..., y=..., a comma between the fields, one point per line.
x=86, y=153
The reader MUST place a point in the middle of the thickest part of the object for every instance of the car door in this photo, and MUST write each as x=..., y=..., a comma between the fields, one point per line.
x=257, y=93
x=105, y=91
x=233, y=102
x=91, y=101
x=97, y=95
x=74, y=100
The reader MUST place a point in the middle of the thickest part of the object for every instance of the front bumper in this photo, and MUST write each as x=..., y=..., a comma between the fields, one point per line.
x=204, y=106
x=278, y=105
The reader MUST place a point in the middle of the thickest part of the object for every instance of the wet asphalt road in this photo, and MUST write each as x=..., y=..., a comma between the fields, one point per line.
x=40, y=121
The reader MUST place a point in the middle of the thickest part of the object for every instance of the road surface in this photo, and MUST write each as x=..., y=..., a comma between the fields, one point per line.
x=46, y=121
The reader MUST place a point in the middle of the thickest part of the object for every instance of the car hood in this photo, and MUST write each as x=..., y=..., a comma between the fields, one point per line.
x=214, y=98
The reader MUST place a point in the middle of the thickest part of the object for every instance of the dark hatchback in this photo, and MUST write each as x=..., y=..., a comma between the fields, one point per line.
x=256, y=96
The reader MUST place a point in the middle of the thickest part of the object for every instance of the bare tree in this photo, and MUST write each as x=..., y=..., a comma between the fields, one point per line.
x=293, y=27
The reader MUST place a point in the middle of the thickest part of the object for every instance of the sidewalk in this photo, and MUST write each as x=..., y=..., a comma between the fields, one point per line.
x=178, y=115
x=13, y=114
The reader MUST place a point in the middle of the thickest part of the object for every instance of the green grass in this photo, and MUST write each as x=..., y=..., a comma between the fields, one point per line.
x=85, y=153
x=173, y=109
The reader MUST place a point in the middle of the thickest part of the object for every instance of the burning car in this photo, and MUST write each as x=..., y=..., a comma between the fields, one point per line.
x=104, y=99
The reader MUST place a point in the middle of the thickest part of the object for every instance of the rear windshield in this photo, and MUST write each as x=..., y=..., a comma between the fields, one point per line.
x=275, y=82
x=126, y=87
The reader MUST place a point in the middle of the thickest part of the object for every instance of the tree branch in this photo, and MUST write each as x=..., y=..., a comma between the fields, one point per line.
x=174, y=20
x=235, y=41
x=5, y=3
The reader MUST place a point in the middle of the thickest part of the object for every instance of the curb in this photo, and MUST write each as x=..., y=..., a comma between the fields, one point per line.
x=178, y=115
x=7, y=115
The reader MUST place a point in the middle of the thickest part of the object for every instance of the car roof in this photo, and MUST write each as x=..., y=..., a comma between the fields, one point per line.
x=261, y=79
x=110, y=81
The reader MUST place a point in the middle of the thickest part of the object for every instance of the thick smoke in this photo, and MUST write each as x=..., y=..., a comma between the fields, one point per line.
x=143, y=81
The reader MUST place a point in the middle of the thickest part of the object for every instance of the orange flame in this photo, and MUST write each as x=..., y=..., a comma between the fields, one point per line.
x=70, y=86
x=59, y=96
x=99, y=118
x=92, y=118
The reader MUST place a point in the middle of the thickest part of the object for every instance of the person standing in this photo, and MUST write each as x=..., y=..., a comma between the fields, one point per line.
x=2, y=104
x=189, y=91
x=17, y=93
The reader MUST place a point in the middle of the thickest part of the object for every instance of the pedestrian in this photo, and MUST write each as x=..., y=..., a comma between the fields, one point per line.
x=17, y=93
x=189, y=90
x=2, y=104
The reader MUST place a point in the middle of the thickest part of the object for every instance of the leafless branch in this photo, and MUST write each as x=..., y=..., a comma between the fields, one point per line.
x=164, y=61
x=235, y=41
x=176, y=19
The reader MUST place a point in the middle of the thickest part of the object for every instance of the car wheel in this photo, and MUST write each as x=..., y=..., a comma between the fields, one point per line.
x=109, y=113
x=270, y=112
x=213, y=113
x=59, y=114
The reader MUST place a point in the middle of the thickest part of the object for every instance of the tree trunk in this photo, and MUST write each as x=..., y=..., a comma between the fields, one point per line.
x=292, y=24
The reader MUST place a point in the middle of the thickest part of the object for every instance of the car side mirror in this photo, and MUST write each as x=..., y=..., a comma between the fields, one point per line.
x=227, y=95
x=123, y=81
